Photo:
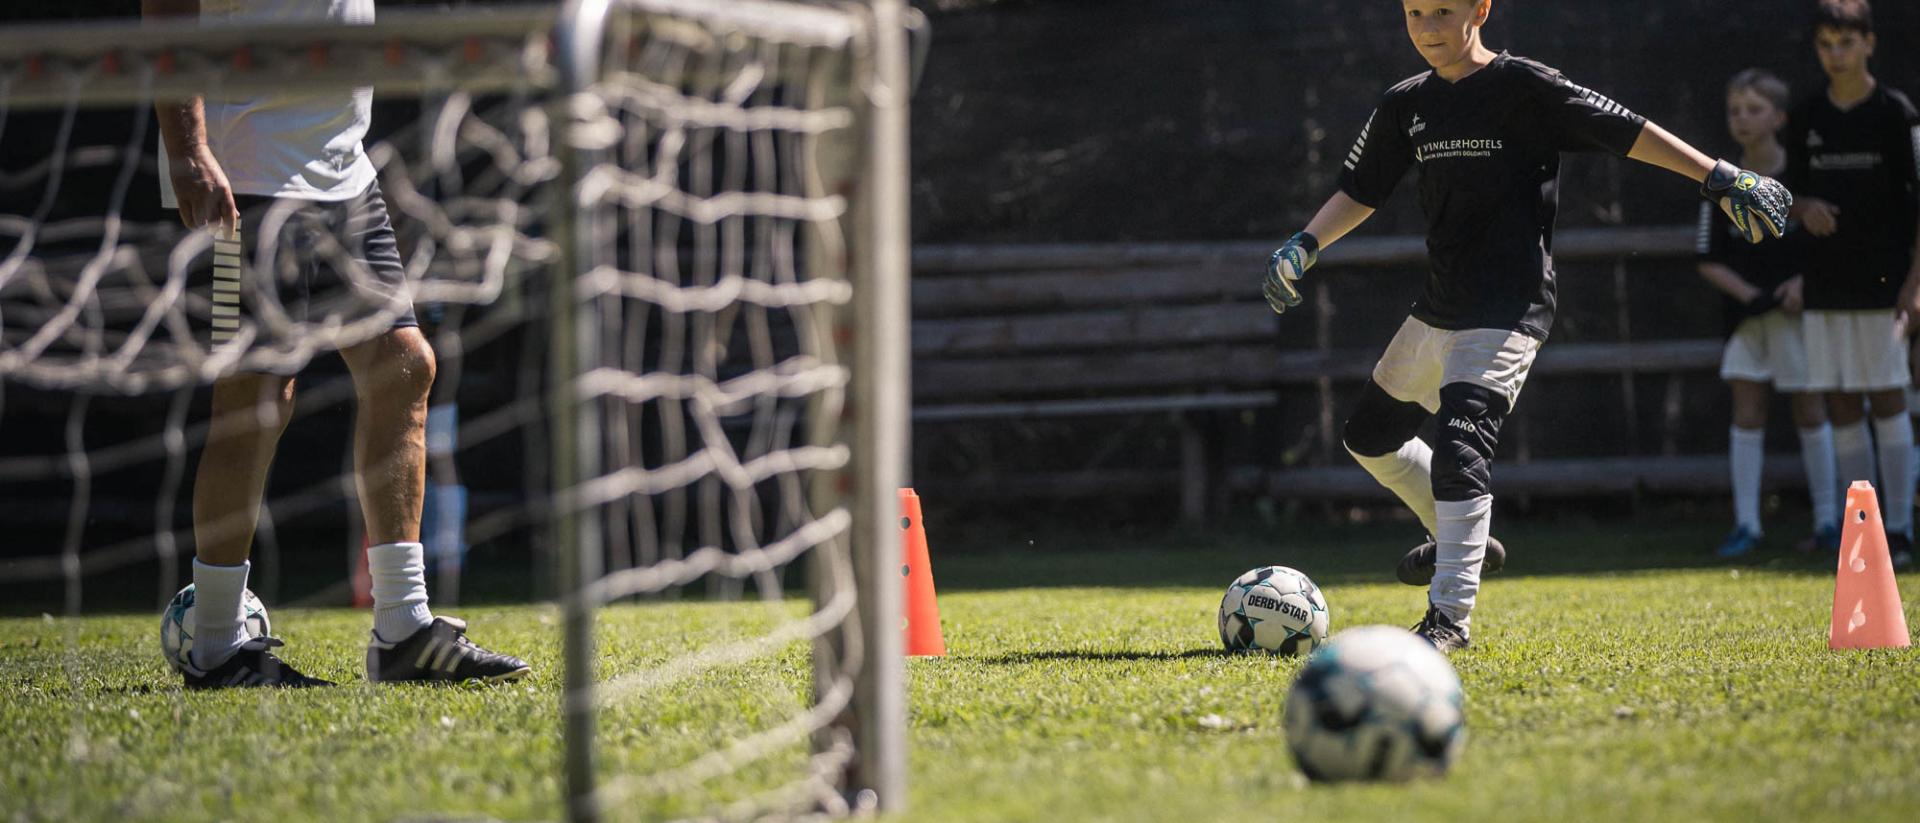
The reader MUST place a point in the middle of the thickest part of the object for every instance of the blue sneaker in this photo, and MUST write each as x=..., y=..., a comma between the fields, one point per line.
x=1738, y=544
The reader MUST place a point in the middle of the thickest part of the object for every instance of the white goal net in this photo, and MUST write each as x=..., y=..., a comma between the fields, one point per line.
x=659, y=249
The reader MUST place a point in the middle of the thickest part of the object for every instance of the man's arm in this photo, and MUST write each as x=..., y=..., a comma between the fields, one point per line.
x=199, y=184
x=1341, y=214
x=1657, y=147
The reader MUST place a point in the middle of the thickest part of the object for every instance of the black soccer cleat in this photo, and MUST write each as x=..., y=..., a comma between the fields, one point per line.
x=1416, y=569
x=253, y=666
x=1440, y=630
x=440, y=652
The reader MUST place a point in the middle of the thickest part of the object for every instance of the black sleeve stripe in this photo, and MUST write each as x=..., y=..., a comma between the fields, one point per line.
x=1360, y=145
x=1703, y=237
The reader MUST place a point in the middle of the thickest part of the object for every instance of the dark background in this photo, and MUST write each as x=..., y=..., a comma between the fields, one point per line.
x=1113, y=121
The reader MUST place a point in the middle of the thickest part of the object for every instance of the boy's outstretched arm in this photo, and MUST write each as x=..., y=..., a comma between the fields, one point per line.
x=1757, y=204
x=1340, y=214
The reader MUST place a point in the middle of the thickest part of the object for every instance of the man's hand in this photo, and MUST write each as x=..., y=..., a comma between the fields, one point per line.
x=1756, y=204
x=1792, y=294
x=1820, y=217
x=1287, y=264
x=200, y=186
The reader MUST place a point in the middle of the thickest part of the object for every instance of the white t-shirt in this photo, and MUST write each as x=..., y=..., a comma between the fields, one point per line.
x=302, y=145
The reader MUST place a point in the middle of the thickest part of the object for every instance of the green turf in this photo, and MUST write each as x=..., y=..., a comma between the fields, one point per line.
x=1081, y=685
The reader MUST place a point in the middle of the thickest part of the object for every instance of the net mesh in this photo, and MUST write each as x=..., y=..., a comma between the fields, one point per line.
x=711, y=317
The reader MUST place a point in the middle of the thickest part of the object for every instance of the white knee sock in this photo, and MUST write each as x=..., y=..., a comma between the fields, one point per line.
x=1816, y=452
x=1460, y=544
x=1409, y=474
x=217, y=612
x=399, y=572
x=1893, y=439
x=1745, y=451
x=1851, y=456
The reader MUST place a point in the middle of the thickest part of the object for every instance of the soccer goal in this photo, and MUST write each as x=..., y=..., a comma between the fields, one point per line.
x=663, y=246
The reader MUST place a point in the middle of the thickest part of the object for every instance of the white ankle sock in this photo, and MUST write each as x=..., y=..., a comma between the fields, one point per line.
x=1852, y=457
x=1816, y=453
x=399, y=572
x=1408, y=473
x=1460, y=543
x=1745, y=451
x=218, y=592
x=1893, y=439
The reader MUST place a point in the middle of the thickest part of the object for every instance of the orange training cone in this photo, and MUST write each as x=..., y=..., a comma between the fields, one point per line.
x=922, y=610
x=1866, y=603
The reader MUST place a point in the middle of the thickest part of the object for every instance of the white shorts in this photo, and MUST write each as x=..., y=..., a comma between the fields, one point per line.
x=1422, y=358
x=1770, y=348
x=1854, y=351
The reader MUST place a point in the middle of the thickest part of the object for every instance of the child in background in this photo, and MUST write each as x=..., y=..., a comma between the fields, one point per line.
x=1765, y=343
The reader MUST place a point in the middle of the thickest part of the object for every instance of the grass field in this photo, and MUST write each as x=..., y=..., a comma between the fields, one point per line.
x=1083, y=683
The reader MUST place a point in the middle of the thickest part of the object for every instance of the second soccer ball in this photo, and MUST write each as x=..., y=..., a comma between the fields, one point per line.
x=1274, y=609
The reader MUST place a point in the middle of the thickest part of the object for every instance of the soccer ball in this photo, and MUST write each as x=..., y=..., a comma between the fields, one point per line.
x=1375, y=703
x=1274, y=609
x=176, y=625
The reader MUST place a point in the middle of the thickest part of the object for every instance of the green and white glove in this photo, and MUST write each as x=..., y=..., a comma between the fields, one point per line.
x=1756, y=204
x=1287, y=264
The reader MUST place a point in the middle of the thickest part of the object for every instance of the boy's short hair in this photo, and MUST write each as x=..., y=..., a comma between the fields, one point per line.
x=1764, y=83
x=1844, y=15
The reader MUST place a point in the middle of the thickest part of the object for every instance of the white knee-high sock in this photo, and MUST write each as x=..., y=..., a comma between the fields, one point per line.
x=218, y=613
x=1816, y=453
x=399, y=572
x=1745, y=453
x=1460, y=544
x=1409, y=474
x=1852, y=455
x=1893, y=439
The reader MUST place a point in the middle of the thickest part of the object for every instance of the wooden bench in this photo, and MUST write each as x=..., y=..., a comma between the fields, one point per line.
x=1180, y=330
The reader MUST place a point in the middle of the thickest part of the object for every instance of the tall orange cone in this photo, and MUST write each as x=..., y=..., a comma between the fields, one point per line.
x=922, y=610
x=1866, y=603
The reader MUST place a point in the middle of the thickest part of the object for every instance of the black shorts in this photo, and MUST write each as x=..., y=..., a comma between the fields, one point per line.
x=305, y=276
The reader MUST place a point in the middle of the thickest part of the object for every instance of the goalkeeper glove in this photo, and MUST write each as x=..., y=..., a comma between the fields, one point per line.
x=1756, y=204
x=1285, y=266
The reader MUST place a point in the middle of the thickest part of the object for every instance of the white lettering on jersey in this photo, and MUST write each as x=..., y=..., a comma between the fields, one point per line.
x=1845, y=161
x=1814, y=140
x=1419, y=126
x=1442, y=149
x=1360, y=145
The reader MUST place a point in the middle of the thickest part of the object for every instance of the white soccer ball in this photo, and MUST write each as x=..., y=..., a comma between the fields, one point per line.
x=1376, y=703
x=1274, y=609
x=176, y=625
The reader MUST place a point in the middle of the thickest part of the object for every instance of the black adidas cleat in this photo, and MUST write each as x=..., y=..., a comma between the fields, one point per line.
x=1416, y=569
x=253, y=666
x=440, y=652
x=1440, y=630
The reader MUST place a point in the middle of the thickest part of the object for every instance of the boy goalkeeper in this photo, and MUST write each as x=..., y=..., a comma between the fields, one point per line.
x=1486, y=131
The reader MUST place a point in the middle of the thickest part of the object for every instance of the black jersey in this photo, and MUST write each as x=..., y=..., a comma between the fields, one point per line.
x=1488, y=148
x=1863, y=161
x=1765, y=265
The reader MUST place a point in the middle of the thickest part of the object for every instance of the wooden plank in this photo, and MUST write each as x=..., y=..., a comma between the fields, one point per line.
x=1560, y=477
x=1053, y=291
x=1569, y=244
x=1095, y=407
x=1570, y=477
x=1254, y=367
x=1140, y=326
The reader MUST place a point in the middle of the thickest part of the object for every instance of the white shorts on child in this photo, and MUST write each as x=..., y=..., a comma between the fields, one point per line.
x=1854, y=351
x=1769, y=348
x=1421, y=359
